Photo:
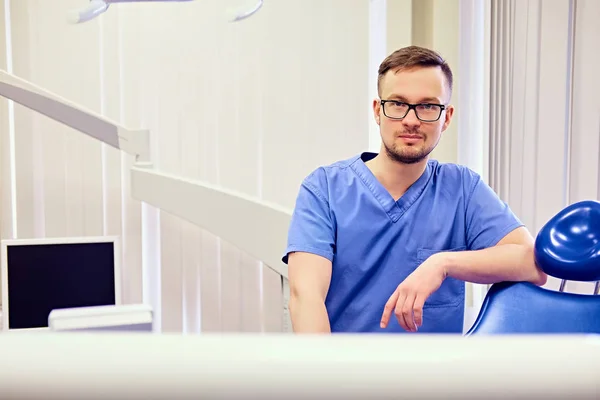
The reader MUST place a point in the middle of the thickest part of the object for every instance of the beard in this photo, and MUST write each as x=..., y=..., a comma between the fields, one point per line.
x=408, y=154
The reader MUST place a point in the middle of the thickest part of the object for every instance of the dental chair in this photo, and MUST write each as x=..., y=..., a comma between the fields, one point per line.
x=567, y=248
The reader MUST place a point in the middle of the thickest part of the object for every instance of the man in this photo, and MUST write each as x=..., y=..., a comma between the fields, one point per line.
x=384, y=242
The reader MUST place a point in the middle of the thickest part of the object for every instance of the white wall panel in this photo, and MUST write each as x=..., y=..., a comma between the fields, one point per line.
x=253, y=107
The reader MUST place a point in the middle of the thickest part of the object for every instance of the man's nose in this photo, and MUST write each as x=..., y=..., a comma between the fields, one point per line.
x=411, y=119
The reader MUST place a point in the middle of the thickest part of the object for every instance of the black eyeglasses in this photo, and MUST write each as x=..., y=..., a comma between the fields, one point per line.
x=425, y=112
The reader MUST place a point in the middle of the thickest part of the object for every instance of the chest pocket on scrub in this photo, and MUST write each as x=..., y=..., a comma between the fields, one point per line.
x=452, y=291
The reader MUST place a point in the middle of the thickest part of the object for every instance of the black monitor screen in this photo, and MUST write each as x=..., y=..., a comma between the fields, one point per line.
x=44, y=277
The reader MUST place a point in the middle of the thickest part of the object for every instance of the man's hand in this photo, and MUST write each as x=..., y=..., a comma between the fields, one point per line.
x=408, y=299
x=510, y=260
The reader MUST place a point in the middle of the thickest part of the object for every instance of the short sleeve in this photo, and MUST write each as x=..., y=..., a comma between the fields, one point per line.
x=488, y=218
x=311, y=228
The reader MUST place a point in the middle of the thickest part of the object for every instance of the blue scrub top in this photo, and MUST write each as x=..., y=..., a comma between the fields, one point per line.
x=344, y=214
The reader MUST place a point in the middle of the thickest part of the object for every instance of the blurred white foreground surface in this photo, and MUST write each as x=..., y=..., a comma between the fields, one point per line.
x=76, y=366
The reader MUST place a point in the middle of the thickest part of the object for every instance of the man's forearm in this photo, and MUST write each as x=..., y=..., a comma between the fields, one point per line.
x=309, y=315
x=508, y=262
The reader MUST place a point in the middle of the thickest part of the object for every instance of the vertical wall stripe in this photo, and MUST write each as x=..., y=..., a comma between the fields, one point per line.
x=11, y=121
x=536, y=176
x=569, y=105
x=261, y=109
x=102, y=93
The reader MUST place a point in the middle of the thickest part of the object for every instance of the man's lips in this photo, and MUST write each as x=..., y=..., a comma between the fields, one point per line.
x=411, y=137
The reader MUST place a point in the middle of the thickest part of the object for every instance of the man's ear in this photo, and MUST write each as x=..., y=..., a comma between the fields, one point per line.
x=377, y=110
x=449, y=112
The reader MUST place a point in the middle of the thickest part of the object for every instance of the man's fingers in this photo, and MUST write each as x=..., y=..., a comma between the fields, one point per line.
x=398, y=306
x=406, y=311
x=390, y=306
x=418, y=309
x=408, y=308
x=398, y=310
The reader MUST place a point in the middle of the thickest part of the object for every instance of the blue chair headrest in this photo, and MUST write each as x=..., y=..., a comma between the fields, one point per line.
x=568, y=245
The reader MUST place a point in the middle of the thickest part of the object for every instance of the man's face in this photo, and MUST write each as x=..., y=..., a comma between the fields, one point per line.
x=410, y=140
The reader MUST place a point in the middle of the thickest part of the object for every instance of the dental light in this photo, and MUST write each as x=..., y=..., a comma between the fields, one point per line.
x=97, y=7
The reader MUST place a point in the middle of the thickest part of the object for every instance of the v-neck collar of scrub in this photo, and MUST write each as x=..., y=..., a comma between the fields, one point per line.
x=394, y=209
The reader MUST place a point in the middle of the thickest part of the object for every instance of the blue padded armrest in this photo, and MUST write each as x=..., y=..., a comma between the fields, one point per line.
x=519, y=308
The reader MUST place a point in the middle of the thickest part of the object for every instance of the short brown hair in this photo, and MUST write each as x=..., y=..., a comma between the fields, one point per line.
x=411, y=57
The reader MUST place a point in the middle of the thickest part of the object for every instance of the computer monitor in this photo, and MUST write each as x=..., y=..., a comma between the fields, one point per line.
x=41, y=275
